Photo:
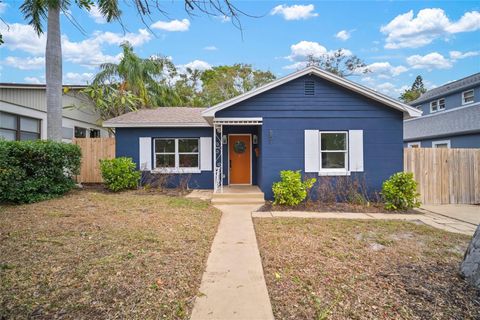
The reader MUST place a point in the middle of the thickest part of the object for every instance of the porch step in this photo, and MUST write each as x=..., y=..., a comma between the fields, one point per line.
x=236, y=200
x=239, y=195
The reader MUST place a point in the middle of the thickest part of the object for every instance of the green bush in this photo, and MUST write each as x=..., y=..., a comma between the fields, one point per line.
x=291, y=190
x=119, y=174
x=32, y=171
x=400, y=192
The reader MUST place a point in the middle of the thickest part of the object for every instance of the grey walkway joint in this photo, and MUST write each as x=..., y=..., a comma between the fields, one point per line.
x=233, y=285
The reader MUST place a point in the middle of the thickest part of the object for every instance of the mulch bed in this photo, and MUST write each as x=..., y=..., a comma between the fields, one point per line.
x=351, y=269
x=99, y=255
x=318, y=206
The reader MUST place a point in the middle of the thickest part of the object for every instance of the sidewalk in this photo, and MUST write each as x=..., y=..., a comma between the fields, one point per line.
x=233, y=285
x=463, y=212
x=429, y=218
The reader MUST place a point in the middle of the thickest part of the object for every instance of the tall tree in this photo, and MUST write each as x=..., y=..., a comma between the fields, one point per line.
x=39, y=11
x=416, y=90
x=340, y=63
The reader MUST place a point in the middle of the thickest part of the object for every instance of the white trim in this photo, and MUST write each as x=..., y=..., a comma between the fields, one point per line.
x=408, y=110
x=463, y=97
x=333, y=171
x=355, y=151
x=437, y=101
x=435, y=143
x=228, y=158
x=176, y=170
x=415, y=143
x=205, y=154
x=107, y=124
x=311, y=151
x=145, y=153
x=176, y=153
x=238, y=121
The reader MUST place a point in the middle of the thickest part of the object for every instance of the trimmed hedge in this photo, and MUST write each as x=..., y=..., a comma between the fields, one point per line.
x=32, y=171
x=119, y=174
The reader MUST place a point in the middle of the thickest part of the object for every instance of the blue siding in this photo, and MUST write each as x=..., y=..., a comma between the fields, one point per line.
x=287, y=112
x=452, y=100
x=460, y=141
x=127, y=146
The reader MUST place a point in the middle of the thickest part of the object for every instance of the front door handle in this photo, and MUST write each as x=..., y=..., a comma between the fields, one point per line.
x=230, y=164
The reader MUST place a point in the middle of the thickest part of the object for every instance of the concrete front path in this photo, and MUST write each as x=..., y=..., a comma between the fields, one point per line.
x=233, y=285
x=429, y=218
x=463, y=212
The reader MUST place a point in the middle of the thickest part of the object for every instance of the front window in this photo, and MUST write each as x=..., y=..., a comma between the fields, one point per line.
x=80, y=132
x=16, y=127
x=334, y=151
x=177, y=154
x=468, y=97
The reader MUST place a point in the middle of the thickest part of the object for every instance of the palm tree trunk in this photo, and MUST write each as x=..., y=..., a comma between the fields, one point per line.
x=53, y=66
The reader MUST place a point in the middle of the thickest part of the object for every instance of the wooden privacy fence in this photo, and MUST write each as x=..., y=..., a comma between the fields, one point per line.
x=445, y=176
x=94, y=150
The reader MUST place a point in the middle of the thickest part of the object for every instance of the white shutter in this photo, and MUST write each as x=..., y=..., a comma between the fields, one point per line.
x=206, y=154
x=145, y=153
x=312, y=155
x=355, y=150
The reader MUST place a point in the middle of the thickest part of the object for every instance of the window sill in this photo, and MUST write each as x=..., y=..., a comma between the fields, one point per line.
x=176, y=170
x=334, y=173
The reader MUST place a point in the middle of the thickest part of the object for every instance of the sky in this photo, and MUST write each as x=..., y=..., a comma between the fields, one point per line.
x=397, y=40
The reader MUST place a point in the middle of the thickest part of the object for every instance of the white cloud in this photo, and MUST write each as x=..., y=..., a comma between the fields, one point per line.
x=29, y=63
x=78, y=78
x=3, y=7
x=22, y=37
x=343, y=35
x=295, y=12
x=296, y=66
x=456, y=55
x=174, y=25
x=210, y=48
x=197, y=65
x=386, y=69
x=430, y=61
x=303, y=49
x=407, y=31
x=223, y=19
x=33, y=80
x=96, y=15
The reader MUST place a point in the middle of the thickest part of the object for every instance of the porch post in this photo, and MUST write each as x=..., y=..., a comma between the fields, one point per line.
x=218, y=158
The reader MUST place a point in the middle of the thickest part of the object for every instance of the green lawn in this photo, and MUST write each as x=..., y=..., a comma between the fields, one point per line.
x=348, y=269
x=98, y=255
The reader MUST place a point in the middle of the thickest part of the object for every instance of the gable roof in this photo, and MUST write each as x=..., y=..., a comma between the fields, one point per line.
x=312, y=70
x=448, y=88
x=160, y=117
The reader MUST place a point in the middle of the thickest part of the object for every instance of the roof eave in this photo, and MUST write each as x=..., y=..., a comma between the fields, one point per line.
x=107, y=124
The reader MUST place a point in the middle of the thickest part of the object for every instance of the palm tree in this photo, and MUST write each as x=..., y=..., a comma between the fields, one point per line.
x=39, y=11
x=145, y=78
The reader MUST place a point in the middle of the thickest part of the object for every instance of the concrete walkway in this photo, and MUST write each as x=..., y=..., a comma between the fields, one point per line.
x=463, y=212
x=429, y=218
x=233, y=285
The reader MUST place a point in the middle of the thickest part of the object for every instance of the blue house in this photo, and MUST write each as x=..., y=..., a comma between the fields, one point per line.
x=451, y=116
x=310, y=120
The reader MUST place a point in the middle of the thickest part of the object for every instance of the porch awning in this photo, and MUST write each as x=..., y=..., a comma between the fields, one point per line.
x=238, y=121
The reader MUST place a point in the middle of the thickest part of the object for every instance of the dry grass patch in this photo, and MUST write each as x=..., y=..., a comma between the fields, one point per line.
x=348, y=269
x=95, y=255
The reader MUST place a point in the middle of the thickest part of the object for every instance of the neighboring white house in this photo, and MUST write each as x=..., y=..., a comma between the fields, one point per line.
x=23, y=113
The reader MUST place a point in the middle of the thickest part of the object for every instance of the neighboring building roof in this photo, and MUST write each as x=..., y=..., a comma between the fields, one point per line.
x=11, y=85
x=312, y=70
x=448, y=88
x=456, y=121
x=160, y=117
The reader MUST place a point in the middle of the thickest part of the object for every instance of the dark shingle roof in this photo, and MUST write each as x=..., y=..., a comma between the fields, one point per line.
x=449, y=122
x=450, y=87
x=160, y=117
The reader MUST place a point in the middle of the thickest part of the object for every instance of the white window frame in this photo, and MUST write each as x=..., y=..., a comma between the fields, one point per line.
x=177, y=168
x=463, y=96
x=416, y=143
x=334, y=171
x=435, y=143
x=437, y=105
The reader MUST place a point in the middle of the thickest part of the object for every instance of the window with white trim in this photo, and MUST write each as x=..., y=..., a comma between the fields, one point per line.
x=333, y=151
x=414, y=144
x=17, y=127
x=177, y=154
x=441, y=144
x=437, y=105
x=468, y=97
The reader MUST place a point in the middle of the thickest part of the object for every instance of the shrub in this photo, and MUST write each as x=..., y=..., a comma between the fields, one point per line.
x=32, y=171
x=291, y=190
x=119, y=174
x=400, y=192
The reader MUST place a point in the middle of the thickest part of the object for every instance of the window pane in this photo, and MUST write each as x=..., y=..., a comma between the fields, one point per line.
x=67, y=133
x=8, y=134
x=165, y=161
x=441, y=104
x=29, y=136
x=8, y=121
x=468, y=96
x=188, y=161
x=441, y=145
x=165, y=145
x=28, y=124
x=333, y=160
x=334, y=141
x=187, y=145
x=80, y=132
x=94, y=133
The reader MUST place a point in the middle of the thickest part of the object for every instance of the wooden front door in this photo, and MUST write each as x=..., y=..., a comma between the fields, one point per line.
x=240, y=158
